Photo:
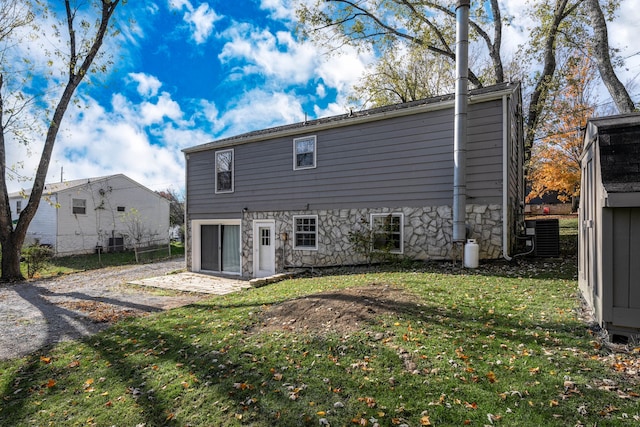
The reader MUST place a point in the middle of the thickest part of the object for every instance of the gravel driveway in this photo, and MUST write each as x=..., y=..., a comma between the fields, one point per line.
x=38, y=313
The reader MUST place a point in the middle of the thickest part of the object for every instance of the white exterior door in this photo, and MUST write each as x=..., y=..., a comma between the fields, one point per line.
x=264, y=249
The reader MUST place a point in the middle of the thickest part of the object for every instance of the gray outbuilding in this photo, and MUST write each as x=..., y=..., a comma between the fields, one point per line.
x=609, y=215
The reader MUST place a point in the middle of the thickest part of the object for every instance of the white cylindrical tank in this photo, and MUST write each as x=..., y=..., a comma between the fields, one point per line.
x=471, y=254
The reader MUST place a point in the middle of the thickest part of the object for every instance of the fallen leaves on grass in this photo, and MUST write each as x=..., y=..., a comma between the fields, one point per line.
x=100, y=312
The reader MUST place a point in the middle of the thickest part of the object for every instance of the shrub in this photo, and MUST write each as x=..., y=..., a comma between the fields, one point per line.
x=366, y=242
x=36, y=256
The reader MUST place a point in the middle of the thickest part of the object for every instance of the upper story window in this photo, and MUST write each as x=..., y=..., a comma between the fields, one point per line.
x=224, y=171
x=304, y=153
x=387, y=232
x=305, y=232
x=79, y=206
x=18, y=206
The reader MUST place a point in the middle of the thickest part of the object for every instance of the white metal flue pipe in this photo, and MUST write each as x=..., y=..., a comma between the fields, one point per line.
x=460, y=122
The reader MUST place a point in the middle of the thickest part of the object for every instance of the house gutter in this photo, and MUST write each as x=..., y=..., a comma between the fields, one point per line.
x=505, y=178
x=460, y=122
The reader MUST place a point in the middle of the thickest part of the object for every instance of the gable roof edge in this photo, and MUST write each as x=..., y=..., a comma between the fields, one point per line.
x=56, y=188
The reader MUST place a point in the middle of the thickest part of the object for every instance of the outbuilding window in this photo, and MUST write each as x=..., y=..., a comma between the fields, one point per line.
x=79, y=206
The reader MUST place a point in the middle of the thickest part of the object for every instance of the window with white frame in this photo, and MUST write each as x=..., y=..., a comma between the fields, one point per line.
x=304, y=153
x=387, y=232
x=79, y=206
x=305, y=232
x=224, y=171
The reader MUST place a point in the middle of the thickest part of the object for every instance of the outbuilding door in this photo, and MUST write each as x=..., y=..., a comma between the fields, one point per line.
x=626, y=268
x=588, y=247
x=264, y=249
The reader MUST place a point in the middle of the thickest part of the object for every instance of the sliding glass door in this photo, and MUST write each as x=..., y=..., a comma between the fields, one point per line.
x=220, y=248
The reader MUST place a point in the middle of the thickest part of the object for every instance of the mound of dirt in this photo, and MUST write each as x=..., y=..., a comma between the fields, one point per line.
x=342, y=311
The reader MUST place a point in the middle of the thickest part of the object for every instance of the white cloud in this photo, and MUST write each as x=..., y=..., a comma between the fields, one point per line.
x=276, y=56
x=288, y=66
x=280, y=9
x=343, y=71
x=200, y=19
x=147, y=85
x=284, y=10
x=166, y=107
x=142, y=140
x=260, y=109
x=321, y=91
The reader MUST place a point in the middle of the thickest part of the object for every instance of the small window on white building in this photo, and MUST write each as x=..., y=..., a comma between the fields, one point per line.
x=387, y=232
x=18, y=206
x=305, y=232
x=120, y=208
x=79, y=206
x=304, y=153
x=224, y=171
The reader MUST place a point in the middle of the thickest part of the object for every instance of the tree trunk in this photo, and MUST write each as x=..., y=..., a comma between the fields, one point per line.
x=494, y=48
x=11, y=260
x=601, y=50
x=541, y=91
x=12, y=238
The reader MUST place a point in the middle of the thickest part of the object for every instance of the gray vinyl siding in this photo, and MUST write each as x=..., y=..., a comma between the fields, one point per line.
x=515, y=173
x=395, y=162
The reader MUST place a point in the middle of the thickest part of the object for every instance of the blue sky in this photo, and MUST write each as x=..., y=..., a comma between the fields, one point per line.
x=188, y=72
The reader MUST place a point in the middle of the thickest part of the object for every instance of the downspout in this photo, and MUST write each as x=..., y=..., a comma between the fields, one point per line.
x=505, y=178
x=188, y=250
x=460, y=121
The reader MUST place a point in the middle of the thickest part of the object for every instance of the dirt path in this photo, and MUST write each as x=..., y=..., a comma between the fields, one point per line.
x=38, y=313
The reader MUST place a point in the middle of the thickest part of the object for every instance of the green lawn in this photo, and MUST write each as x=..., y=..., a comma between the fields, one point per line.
x=74, y=263
x=500, y=345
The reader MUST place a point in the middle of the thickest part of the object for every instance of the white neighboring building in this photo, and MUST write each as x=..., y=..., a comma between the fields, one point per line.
x=112, y=212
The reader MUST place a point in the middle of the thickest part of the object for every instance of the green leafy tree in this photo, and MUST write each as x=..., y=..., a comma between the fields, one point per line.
x=176, y=209
x=176, y=206
x=139, y=235
x=84, y=40
x=555, y=161
x=428, y=24
x=404, y=75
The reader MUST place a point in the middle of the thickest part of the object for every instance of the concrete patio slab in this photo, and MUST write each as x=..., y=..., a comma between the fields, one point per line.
x=194, y=282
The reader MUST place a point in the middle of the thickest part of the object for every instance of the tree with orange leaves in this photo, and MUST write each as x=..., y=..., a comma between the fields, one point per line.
x=555, y=160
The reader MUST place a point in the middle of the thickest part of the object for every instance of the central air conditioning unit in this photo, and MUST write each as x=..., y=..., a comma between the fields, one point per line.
x=544, y=234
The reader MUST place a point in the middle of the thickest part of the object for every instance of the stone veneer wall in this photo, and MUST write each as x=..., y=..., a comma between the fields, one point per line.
x=427, y=235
